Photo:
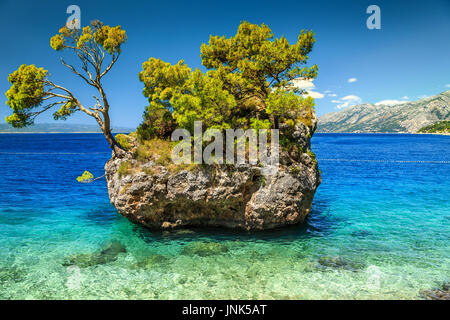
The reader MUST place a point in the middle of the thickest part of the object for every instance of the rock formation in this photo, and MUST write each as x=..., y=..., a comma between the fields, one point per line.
x=240, y=196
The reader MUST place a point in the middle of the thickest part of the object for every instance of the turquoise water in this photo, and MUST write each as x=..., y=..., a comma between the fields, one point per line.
x=378, y=229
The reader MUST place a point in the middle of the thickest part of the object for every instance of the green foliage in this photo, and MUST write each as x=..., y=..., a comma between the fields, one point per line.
x=124, y=140
x=287, y=106
x=32, y=93
x=202, y=97
x=258, y=124
x=249, y=84
x=157, y=150
x=160, y=80
x=150, y=149
x=26, y=93
x=124, y=168
x=438, y=127
x=312, y=156
x=109, y=38
x=86, y=177
x=257, y=59
x=65, y=111
x=295, y=170
x=160, y=151
x=158, y=122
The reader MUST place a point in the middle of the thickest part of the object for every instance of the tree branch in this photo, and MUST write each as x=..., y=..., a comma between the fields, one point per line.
x=77, y=73
x=113, y=61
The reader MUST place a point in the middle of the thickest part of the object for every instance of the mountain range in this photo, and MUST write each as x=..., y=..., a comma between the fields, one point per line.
x=406, y=117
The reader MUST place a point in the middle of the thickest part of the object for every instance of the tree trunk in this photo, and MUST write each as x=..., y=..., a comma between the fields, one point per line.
x=118, y=150
x=274, y=120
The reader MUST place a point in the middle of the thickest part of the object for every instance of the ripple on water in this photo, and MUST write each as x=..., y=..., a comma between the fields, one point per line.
x=376, y=231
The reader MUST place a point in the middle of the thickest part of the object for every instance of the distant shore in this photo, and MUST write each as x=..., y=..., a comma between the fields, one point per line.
x=59, y=128
x=435, y=133
x=438, y=133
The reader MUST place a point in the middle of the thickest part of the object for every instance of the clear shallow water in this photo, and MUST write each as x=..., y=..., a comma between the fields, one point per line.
x=386, y=226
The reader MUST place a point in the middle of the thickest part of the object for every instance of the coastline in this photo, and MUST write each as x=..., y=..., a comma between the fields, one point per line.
x=404, y=133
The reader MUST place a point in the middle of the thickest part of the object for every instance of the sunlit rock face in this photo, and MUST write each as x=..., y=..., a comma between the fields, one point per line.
x=388, y=116
x=241, y=196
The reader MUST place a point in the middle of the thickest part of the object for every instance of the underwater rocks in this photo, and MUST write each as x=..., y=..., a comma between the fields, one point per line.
x=178, y=232
x=105, y=255
x=443, y=293
x=339, y=262
x=152, y=261
x=239, y=197
x=11, y=274
x=204, y=249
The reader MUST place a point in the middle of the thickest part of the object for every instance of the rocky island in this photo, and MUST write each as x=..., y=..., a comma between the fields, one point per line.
x=243, y=197
x=249, y=86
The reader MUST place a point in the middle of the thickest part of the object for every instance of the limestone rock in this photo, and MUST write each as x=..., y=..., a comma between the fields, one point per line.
x=241, y=196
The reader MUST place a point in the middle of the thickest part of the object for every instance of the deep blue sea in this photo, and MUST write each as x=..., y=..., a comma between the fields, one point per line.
x=379, y=228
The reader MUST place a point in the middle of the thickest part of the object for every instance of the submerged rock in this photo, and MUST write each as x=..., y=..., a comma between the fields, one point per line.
x=340, y=263
x=443, y=293
x=178, y=232
x=152, y=261
x=240, y=196
x=107, y=254
x=11, y=274
x=204, y=249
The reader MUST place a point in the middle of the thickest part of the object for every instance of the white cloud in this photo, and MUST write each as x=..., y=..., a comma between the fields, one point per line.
x=343, y=105
x=307, y=85
x=347, y=101
x=303, y=84
x=332, y=94
x=422, y=96
x=315, y=94
x=405, y=98
x=352, y=80
x=392, y=102
x=328, y=91
x=351, y=98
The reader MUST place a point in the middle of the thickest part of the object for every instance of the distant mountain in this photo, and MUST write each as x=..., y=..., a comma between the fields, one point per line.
x=407, y=117
x=58, y=128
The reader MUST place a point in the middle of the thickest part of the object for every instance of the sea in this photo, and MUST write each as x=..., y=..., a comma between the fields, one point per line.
x=379, y=228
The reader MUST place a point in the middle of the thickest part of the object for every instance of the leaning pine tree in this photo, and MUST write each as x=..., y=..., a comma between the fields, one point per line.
x=98, y=48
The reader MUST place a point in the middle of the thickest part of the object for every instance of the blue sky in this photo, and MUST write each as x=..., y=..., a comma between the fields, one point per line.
x=409, y=57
